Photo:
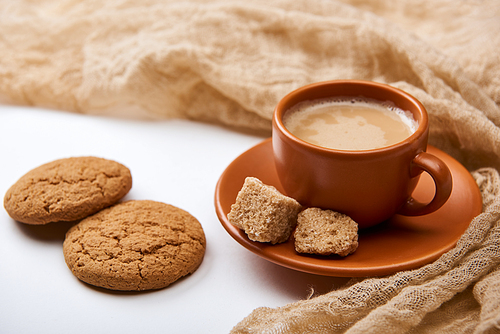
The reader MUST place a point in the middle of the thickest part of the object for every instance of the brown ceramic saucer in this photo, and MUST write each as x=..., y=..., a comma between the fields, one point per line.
x=401, y=243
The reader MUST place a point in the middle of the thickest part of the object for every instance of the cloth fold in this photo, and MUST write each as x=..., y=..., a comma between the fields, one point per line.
x=230, y=62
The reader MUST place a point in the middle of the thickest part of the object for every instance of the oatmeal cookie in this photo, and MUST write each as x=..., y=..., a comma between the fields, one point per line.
x=67, y=189
x=135, y=245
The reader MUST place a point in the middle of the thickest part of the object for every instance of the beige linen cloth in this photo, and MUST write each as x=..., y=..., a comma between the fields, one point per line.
x=229, y=62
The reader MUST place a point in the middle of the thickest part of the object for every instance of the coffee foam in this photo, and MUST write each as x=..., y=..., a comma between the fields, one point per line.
x=347, y=135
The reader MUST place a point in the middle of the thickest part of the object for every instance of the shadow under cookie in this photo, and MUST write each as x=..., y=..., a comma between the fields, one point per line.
x=129, y=292
x=50, y=232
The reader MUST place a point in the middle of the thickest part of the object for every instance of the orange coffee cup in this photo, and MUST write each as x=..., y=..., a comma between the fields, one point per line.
x=368, y=185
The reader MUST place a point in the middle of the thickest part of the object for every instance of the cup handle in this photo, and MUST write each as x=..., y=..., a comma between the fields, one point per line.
x=441, y=175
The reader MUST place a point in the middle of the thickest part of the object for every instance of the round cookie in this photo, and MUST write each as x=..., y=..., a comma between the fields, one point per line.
x=67, y=189
x=135, y=245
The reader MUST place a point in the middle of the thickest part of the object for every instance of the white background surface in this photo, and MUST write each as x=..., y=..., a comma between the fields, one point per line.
x=177, y=162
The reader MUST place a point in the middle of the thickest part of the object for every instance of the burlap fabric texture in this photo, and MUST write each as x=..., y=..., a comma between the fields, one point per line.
x=231, y=61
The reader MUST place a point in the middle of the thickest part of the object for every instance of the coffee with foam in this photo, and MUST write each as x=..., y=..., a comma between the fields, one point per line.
x=349, y=123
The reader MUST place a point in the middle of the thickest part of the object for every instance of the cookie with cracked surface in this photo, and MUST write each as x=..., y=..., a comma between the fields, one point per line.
x=67, y=189
x=135, y=245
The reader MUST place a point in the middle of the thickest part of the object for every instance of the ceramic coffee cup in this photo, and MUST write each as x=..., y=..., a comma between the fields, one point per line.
x=368, y=185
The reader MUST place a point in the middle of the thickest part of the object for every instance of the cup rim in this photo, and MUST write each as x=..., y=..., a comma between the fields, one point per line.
x=282, y=107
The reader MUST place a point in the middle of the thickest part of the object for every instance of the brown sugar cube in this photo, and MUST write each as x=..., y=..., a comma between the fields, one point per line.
x=325, y=232
x=263, y=212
